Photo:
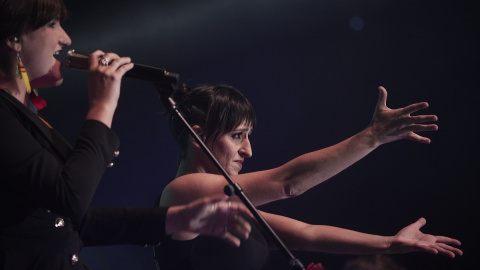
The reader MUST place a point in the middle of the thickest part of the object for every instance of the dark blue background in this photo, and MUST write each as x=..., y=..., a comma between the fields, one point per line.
x=313, y=80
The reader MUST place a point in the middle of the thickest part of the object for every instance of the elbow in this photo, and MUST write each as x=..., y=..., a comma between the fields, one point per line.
x=292, y=189
x=71, y=206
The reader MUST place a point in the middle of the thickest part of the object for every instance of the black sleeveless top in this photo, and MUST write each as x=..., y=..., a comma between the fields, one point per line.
x=208, y=252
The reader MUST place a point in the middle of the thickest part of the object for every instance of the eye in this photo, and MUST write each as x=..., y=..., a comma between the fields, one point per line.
x=237, y=135
x=52, y=23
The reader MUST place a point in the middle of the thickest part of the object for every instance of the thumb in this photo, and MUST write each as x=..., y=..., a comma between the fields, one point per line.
x=382, y=98
x=420, y=223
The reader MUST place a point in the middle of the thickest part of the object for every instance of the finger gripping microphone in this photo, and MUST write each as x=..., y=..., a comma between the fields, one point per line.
x=79, y=61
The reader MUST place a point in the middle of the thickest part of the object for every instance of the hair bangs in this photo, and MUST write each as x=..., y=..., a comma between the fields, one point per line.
x=229, y=110
x=46, y=10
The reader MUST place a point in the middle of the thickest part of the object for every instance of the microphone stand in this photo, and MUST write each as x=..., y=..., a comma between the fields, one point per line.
x=166, y=90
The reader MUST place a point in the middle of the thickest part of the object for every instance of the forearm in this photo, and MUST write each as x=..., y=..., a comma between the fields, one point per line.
x=94, y=150
x=115, y=226
x=311, y=169
x=330, y=239
x=55, y=176
x=103, y=113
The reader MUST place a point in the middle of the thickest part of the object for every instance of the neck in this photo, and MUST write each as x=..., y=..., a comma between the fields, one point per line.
x=15, y=87
x=196, y=164
x=186, y=167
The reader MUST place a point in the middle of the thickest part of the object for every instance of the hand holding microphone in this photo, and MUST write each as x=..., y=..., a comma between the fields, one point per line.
x=79, y=61
x=105, y=72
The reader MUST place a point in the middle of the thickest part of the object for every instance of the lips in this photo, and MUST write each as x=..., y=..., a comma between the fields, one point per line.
x=240, y=163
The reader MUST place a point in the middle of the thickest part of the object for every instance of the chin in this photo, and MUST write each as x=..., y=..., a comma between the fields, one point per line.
x=53, y=77
x=47, y=80
x=233, y=172
x=42, y=83
x=59, y=82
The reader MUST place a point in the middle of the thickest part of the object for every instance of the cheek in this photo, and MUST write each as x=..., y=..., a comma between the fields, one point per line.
x=222, y=153
x=37, y=56
x=52, y=77
x=219, y=153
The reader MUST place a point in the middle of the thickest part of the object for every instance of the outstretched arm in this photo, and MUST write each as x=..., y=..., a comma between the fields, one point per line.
x=308, y=170
x=311, y=169
x=149, y=225
x=303, y=236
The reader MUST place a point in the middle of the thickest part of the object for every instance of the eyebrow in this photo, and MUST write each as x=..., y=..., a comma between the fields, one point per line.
x=242, y=130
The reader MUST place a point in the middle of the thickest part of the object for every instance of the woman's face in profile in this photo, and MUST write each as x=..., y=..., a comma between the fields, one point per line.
x=38, y=51
x=232, y=148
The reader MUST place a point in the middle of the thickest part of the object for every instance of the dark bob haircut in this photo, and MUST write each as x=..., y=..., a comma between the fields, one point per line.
x=216, y=108
x=20, y=16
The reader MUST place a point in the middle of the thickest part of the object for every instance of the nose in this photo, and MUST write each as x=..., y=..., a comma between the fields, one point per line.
x=246, y=149
x=65, y=39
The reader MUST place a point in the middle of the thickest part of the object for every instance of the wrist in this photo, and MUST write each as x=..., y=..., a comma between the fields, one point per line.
x=171, y=220
x=387, y=245
x=177, y=219
x=370, y=138
x=102, y=112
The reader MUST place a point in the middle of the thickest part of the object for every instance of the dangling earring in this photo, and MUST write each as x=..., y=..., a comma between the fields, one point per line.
x=17, y=71
x=23, y=74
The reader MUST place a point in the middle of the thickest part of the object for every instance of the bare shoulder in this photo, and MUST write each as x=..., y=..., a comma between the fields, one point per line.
x=190, y=187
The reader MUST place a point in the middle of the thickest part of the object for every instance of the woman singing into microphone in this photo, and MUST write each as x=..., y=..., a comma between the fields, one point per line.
x=46, y=184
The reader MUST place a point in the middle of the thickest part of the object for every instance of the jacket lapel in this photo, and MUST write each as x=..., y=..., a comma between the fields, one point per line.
x=54, y=140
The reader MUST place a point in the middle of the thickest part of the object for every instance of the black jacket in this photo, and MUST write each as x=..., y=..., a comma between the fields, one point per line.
x=45, y=190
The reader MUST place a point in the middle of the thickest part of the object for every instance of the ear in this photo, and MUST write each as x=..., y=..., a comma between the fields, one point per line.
x=13, y=43
x=198, y=130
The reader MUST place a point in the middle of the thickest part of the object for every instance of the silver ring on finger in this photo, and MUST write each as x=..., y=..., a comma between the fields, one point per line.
x=103, y=61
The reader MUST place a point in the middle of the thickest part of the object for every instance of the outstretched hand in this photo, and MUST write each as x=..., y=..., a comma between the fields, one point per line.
x=214, y=216
x=395, y=124
x=411, y=239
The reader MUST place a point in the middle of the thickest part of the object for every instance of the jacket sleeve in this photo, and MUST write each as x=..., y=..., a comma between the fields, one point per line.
x=30, y=167
x=116, y=226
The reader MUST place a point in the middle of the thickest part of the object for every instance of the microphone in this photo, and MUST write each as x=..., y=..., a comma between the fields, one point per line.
x=79, y=61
